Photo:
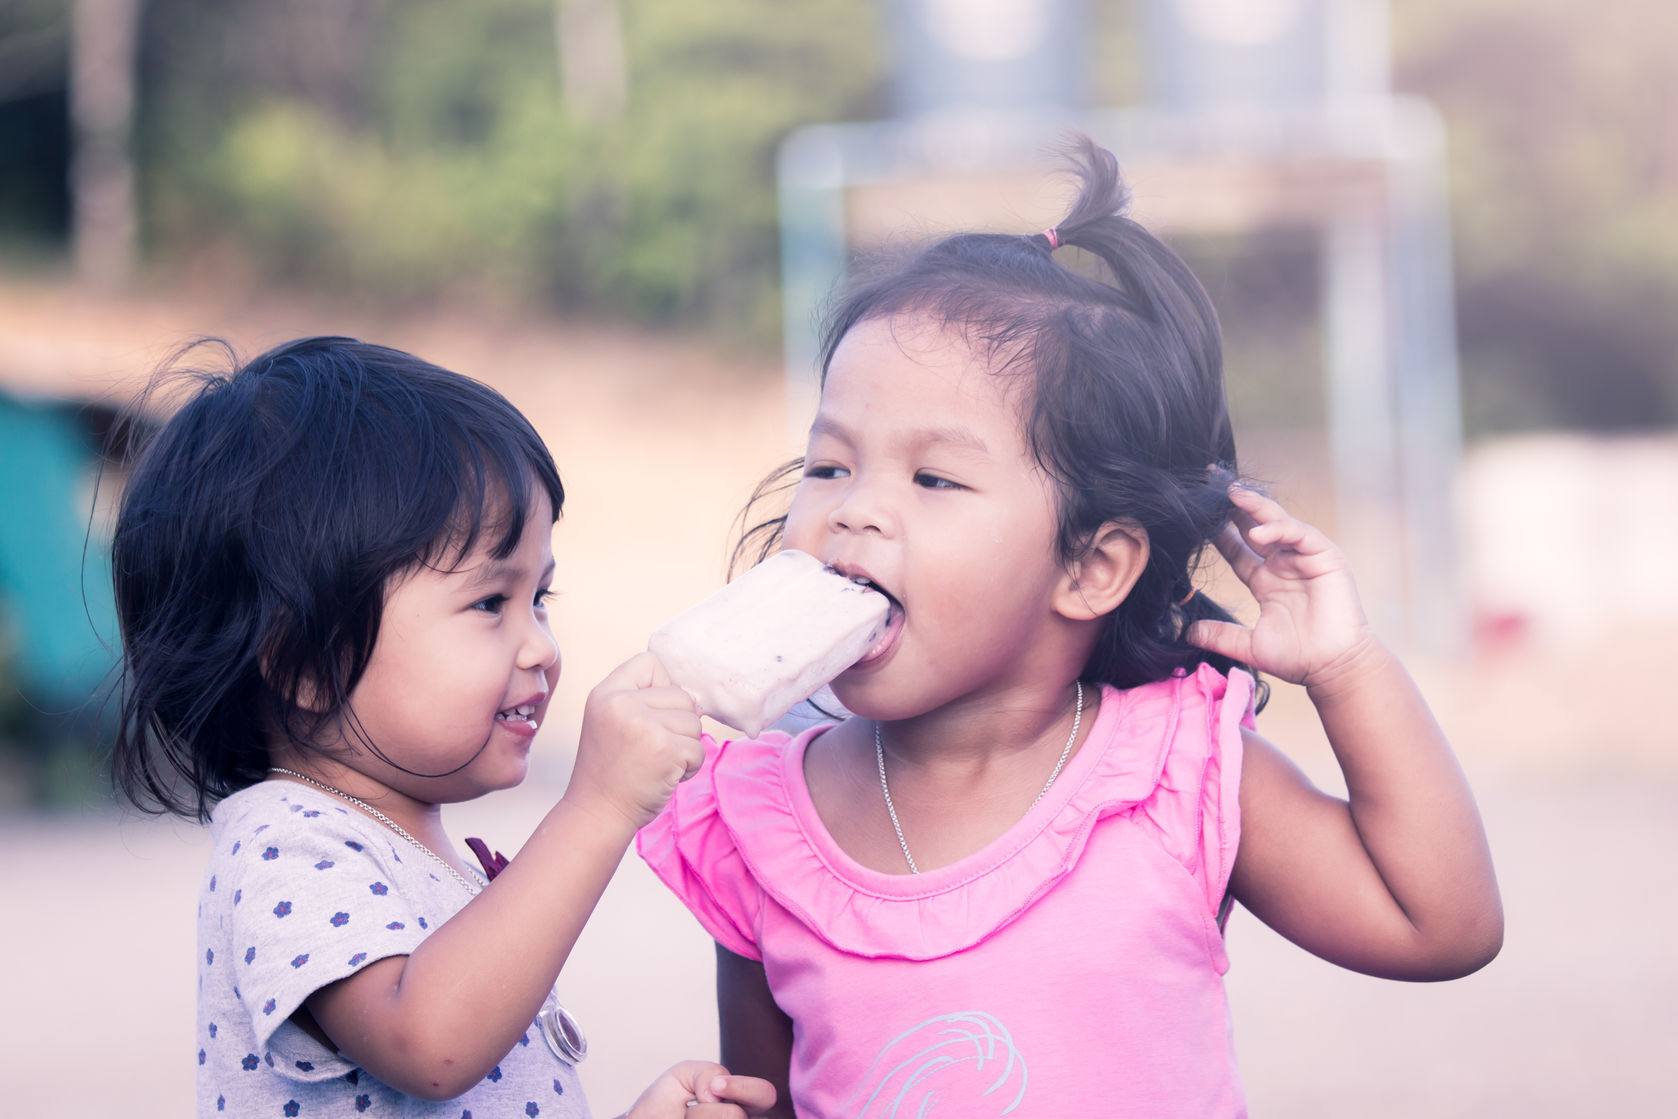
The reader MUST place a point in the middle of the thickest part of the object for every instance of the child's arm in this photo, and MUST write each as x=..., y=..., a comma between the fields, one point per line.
x=1398, y=880
x=756, y=1033
x=434, y=1023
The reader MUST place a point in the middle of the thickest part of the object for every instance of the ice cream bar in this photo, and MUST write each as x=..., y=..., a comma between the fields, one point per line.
x=770, y=639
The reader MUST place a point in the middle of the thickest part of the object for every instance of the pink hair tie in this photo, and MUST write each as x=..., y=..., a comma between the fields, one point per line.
x=1052, y=236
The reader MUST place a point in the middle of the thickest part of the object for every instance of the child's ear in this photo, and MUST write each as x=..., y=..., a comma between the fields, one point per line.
x=1100, y=579
x=309, y=698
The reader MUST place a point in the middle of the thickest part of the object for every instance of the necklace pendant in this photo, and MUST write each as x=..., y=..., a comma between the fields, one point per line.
x=563, y=1034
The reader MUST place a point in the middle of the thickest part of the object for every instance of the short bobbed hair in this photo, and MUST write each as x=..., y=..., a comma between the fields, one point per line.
x=259, y=533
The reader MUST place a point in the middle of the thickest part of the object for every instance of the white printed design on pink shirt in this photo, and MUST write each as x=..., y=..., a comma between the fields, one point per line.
x=965, y=1064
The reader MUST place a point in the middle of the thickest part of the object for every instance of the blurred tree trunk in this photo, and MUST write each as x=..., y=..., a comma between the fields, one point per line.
x=102, y=82
x=592, y=82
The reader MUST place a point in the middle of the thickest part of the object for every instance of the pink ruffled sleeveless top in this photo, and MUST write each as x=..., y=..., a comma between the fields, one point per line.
x=1073, y=967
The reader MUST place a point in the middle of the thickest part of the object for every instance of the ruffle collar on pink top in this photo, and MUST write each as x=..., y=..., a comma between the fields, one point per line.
x=762, y=800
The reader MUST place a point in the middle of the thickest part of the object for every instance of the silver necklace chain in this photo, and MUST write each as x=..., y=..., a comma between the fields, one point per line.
x=891, y=809
x=470, y=887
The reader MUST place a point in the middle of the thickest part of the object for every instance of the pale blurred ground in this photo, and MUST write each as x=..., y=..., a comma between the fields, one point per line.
x=1567, y=741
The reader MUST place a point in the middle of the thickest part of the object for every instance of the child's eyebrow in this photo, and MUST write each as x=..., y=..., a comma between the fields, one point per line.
x=958, y=437
x=945, y=435
x=495, y=571
x=824, y=425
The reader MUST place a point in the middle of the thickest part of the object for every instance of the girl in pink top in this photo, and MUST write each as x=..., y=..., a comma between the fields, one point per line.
x=998, y=888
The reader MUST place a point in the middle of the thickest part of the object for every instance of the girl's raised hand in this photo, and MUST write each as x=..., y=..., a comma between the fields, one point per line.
x=639, y=740
x=1311, y=625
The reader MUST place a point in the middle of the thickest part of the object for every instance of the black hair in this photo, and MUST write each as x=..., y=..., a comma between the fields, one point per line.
x=1125, y=405
x=260, y=529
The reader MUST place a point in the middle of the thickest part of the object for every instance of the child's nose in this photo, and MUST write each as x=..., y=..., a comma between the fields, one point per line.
x=864, y=508
x=540, y=650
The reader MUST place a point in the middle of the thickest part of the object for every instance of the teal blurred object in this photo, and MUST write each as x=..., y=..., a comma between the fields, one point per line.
x=56, y=604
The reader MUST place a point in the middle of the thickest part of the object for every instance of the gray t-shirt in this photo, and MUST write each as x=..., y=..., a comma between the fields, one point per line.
x=301, y=891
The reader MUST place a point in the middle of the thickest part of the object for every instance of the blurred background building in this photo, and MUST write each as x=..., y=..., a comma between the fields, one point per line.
x=1442, y=236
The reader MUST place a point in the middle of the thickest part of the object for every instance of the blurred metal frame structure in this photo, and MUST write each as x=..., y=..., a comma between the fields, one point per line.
x=1368, y=175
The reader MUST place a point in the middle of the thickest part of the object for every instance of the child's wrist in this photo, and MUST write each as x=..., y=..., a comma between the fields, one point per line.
x=602, y=811
x=1359, y=663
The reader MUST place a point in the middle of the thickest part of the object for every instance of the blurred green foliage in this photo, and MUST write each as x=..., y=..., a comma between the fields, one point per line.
x=406, y=150
x=34, y=126
x=415, y=150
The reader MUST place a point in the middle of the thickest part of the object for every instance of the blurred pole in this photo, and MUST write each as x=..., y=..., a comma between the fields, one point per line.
x=592, y=79
x=1359, y=49
x=1359, y=388
x=1425, y=368
x=102, y=80
x=1211, y=55
x=810, y=177
x=977, y=56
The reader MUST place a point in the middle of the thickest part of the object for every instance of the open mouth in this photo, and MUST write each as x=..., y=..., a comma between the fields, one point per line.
x=524, y=713
x=894, y=622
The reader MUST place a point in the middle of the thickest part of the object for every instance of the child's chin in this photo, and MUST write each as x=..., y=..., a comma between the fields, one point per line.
x=515, y=776
x=509, y=774
x=862, y=698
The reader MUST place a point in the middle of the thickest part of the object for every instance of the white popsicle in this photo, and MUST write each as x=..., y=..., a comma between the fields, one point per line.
x=770, y=639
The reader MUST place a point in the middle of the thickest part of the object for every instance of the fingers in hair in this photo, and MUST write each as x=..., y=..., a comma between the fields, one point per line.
x=1231, y=543
x=1272, y=526
x=1227, y=639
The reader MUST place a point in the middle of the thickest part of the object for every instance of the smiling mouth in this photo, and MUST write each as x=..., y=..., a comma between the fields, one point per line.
x=523, y=713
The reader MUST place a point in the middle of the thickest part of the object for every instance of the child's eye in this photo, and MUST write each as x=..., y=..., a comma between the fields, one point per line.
x=492, y=604
x=542, y=597
x=934, y=482
x=825, y=471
